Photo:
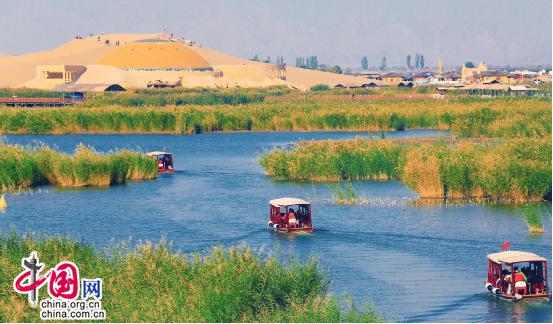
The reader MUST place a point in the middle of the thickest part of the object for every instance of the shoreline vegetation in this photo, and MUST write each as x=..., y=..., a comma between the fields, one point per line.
x=532, y=217
x=517, y=171
x=153, y=283
x=23, y=167
x=162, y=112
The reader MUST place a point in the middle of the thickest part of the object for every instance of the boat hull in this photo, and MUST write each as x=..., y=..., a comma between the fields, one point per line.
x=166, y=170
x=293, y=230
x=518, y=298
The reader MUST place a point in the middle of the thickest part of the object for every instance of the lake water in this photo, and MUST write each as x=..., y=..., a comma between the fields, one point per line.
x=414, y=263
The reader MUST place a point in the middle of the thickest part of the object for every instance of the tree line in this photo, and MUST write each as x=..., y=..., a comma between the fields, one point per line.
x=419, y=62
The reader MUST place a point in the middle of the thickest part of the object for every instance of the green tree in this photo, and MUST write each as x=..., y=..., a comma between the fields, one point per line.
x=337, y=69
x=383, y=64
x=364, y=63
x=312, y=62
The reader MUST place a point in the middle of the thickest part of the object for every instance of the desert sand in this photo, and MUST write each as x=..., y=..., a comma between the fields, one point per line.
x=20, y=70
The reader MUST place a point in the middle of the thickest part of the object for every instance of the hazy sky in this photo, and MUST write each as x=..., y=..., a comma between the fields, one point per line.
x=338, y=32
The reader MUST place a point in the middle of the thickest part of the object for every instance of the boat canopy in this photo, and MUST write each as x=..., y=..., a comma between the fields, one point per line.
x=157, y=153
x=282, y=202
x=515, y=257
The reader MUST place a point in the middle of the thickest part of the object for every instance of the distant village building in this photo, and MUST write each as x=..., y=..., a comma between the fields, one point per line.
x=405, y=84
x=371, y=75
x=496, y=76
x=471, y=75
x=451, y=76
x=369, y=85
x=422, y=77
x=521, y=90
x=392, y=77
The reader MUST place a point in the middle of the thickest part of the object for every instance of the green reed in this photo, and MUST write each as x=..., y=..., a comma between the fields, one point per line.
x=154, y=283
x=502, y=117
x=344, y=194
x=22, y=167
x=18, y=168
x=517, y=171
x=532, y=216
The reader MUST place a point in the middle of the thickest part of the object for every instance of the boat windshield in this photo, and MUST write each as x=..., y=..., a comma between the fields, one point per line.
x=296, y=209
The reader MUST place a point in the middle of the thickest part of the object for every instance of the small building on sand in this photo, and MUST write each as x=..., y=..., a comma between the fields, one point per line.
x=52, y=75
x=392, y=77
x=494, y=76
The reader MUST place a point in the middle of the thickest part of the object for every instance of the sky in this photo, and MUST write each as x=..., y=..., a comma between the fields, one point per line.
x=499, y=32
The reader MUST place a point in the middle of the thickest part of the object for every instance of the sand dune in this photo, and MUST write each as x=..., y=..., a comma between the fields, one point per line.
x=20, y=70
x=298, y=77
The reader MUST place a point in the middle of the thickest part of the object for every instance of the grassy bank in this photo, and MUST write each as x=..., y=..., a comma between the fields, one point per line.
x=152, y=283
x=502, y=117
x=517, y=171
x=22, y=167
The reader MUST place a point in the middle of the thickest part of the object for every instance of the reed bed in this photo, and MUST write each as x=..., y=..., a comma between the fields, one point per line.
x=344, y=194
x=178, y=97
x=532, y=216
x=160, y=97
x=502, y=117
x=515, y=171
x=18, y=168
x=22, y=167
x=154, y=283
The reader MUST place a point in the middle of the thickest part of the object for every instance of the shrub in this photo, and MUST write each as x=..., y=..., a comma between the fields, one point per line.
x=320, y=87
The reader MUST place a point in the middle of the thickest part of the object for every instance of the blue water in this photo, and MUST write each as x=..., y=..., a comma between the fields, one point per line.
x=414, y=263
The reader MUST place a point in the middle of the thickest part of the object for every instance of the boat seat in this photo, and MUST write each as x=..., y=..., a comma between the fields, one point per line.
x=520, y=287
x=292, y=223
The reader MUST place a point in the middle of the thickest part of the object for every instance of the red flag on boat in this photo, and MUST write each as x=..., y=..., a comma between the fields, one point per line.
x=506, y=245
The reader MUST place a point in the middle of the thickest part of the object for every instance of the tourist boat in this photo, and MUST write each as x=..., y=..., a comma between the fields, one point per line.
x=290, y=215
x=517, y=275
x=164, y=161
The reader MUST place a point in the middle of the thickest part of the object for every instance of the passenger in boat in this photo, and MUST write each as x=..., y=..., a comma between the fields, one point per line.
x=166, y=161
x=292, y=220
x=501, y=282
x=520, y=282
x=300, y=217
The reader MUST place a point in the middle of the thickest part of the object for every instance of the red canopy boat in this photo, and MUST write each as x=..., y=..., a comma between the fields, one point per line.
x=290, y=215
x=517, y=275
x=164, y=161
